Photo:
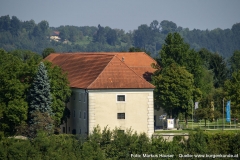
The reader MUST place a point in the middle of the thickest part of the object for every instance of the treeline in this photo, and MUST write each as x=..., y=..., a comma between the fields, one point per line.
x=15, y=34
x=185, y=76
x=108, y=144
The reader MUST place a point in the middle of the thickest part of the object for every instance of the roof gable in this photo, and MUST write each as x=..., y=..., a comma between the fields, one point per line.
x=118, y=75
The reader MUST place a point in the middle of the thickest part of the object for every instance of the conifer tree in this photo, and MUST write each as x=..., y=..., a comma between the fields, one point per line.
x=39, y=100
x=39, y=94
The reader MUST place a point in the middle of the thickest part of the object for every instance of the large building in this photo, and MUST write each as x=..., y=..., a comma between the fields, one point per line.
x=108, y=89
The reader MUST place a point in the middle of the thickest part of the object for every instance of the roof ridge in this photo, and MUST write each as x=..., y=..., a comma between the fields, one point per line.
x=149, y=56
x=100, y=72
x=134, y=72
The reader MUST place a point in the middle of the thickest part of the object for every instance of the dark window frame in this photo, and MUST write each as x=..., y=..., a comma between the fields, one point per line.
x=121, y=116
x=121, y=98
x=80, y=97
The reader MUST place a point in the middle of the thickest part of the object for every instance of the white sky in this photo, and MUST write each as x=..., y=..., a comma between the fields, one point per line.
x=126, y=14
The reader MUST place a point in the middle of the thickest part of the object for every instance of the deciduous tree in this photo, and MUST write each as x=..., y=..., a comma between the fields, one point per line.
x=174, y=90
x=219, y=68
x=47, y=51
x=60, y=91
x=235, y=61
x=13, y=107
x=232, y=89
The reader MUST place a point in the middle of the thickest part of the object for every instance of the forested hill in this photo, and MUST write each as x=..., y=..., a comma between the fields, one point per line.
x=16, y=34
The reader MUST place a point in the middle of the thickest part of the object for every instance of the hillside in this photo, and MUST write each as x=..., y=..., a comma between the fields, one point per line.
x=27, y=35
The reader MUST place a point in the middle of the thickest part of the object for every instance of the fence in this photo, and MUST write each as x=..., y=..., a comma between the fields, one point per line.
x=215, y=124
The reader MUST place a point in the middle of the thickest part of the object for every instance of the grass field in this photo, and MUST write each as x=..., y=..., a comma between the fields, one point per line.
x=213, y=127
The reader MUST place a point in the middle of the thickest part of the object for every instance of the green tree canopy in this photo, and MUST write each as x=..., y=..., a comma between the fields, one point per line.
x=219, y=68
x=174, y=89
x=13, y=107
x=235, y=61
x=60, y=91
x=175, y=50
x=17, y=71
x=142, y=36
x=168, y=27
x=47, y=51
x=232, y=89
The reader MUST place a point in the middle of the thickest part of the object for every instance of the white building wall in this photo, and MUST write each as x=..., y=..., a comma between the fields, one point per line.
x=138, y=109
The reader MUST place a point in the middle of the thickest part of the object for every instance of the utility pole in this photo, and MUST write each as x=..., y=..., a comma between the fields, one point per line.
x=192, y=114
x=223, y=117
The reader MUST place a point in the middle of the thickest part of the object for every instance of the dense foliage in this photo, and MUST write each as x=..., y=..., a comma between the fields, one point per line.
x=174, y=90
x=15, y=34
x=118, y=145
x=186, y=76
x=192, y=67
x=17, y=72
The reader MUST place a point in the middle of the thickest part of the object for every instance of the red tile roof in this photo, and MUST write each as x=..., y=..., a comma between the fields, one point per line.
x=140, y=62
x=105, y=70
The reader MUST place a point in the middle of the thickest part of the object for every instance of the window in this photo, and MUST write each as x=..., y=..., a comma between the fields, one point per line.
x=80, y=131
x=80, y=97
x=85, y=97
x=84, y=115
x=63, y=129
x=121, y=116
x=120, y=97
x=74, y=131
x=74, y=113
x=80, y=114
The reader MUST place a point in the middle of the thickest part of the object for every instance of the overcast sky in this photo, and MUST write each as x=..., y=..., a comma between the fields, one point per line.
x=126, y=14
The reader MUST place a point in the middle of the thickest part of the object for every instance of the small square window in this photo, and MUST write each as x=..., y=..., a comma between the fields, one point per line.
x=120, y=97
x=121, y=116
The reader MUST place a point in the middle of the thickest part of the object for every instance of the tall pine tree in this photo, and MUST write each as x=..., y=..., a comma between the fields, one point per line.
x=40, y=100
x=39, y=94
